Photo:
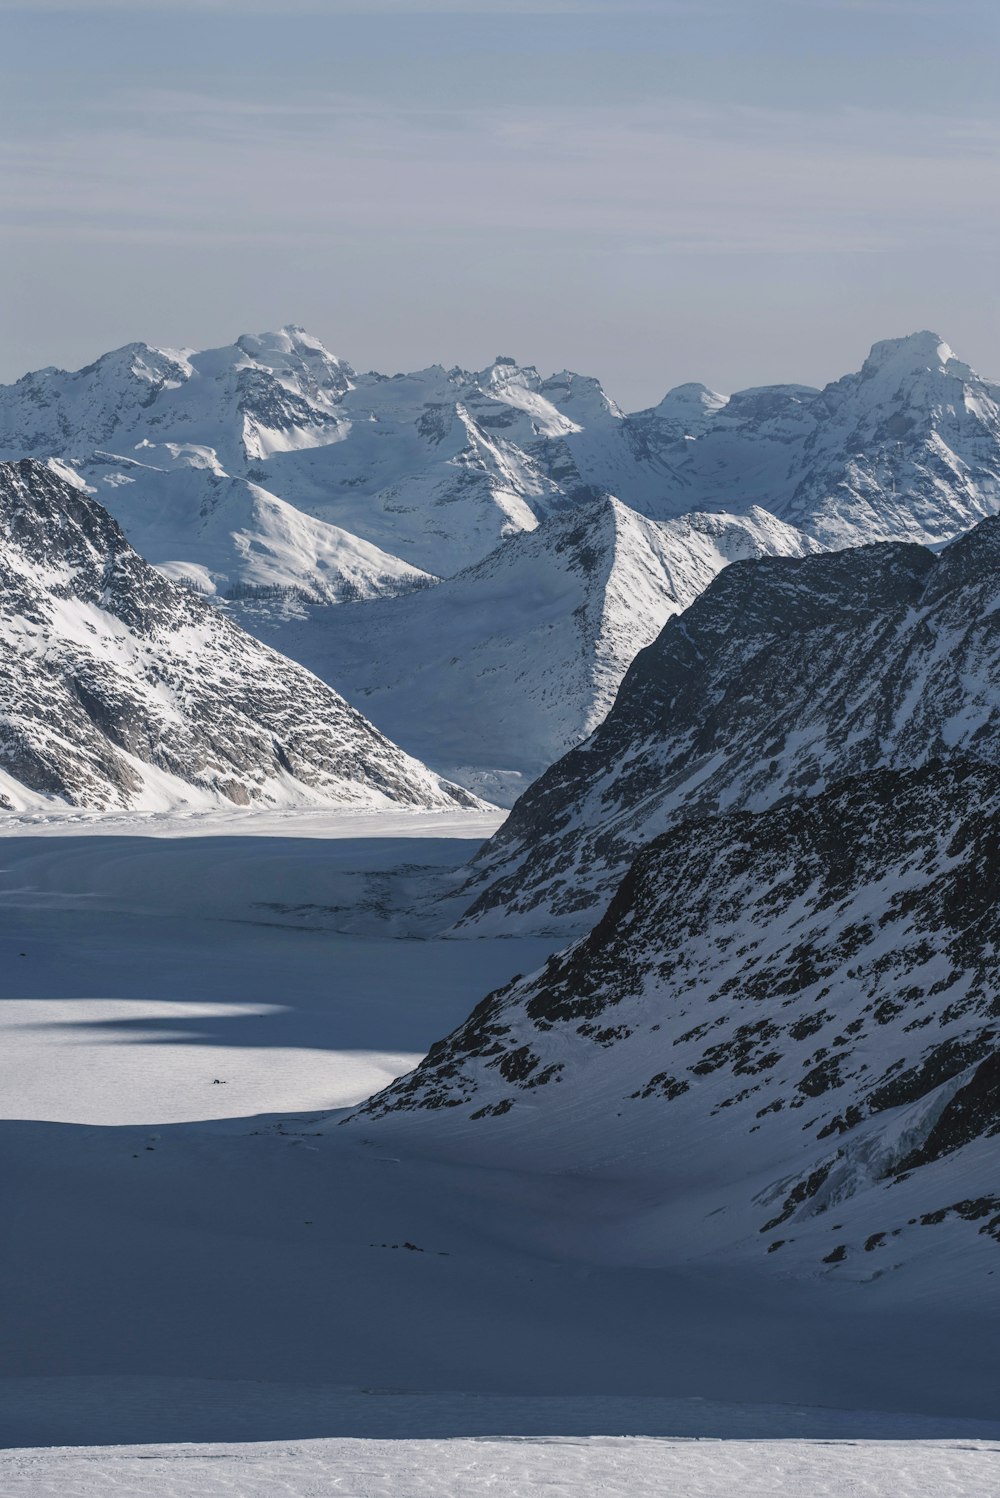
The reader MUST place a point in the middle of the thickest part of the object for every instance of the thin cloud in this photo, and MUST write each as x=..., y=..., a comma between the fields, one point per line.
x=684, y=176
x=355, y=7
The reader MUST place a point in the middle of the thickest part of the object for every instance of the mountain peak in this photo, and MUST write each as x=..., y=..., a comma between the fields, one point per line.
x=689, y=408
x=285, y=341
x=925, y=350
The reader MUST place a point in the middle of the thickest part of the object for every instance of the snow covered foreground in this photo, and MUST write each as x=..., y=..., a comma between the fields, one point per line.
x=194, y=1251
x=560, y=1468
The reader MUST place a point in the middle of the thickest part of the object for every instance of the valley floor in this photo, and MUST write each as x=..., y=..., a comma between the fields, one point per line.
x=194, y=1251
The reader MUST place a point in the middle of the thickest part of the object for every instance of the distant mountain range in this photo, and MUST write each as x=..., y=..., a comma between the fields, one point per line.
x=435, y=467
x=273, y=474
x=120, y=689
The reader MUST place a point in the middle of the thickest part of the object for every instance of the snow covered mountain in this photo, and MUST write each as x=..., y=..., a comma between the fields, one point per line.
x=784, y=676
x=782, y=1037
x=394, y=479
x=273, y=475
x=493, y=674
x=120, y=689
x=230, y=537
x=908, y=448
x=424, y=472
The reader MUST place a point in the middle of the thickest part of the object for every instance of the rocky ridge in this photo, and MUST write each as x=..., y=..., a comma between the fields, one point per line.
x=784, y=676
x=784, y=1032
x=120, y=689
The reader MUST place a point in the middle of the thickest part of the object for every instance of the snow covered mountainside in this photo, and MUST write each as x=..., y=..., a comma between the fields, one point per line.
x=782, y=1037
x=120, y=689
x=230, y=537
x=272, y=475
x=493, y=674
x=199, y=455
x=784, y=676
x=908, y=448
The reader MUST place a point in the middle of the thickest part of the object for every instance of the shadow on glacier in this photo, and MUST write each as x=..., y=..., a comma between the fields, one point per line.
x=245, y=921
x=267, y=1279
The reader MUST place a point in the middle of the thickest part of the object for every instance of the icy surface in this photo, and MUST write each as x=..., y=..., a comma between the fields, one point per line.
x=183, y=1266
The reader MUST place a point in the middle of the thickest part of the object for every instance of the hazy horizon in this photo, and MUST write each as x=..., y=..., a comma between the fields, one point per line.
x=739, y=194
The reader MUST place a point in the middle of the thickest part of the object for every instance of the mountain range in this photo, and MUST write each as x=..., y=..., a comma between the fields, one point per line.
x=273, y=475
x=758, y=638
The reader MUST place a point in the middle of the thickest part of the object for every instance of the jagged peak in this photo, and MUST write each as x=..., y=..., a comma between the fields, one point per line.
x=969, y=559
x=506, y=371
x=143, y=360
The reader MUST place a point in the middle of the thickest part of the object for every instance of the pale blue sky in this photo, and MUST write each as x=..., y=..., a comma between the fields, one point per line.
x=736, y=191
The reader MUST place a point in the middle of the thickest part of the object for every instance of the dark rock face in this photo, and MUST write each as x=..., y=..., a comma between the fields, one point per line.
x=788, y=831
x=786, y=675
x=118, y=688
x=800, y=1007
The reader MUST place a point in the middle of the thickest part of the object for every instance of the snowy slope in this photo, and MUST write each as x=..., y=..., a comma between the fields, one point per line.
x=229, y=536
x=785, y=675
x=435, y=466
x=907, y=448
x=118, y=688
x=495, y=673
x=783, y=1033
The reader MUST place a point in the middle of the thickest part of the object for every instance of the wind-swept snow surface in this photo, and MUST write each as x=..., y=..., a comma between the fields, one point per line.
x=563, y=1468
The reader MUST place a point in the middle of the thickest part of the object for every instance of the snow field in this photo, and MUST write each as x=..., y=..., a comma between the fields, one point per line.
x=288, y=1303
x=557, y=1468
